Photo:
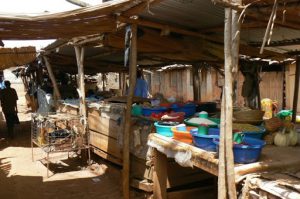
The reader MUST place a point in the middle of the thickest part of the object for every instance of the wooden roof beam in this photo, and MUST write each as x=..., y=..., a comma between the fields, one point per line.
x=161, y=26
x=227, y=4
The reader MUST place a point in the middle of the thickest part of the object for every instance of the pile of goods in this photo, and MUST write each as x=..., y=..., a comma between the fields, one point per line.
x=204, y=133
x=287, y=136
x=280, y=132
x=250, y=135
x=165, y=111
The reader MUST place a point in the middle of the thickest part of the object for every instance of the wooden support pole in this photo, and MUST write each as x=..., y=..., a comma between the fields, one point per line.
x=103, y=81
x=235, y=32
x=57, y=95
x=231, y=55
x=120, y=81
x=222, y=190
x=296, y=89
x=126, y=136
x=160, y=175
x=196, y=84
x=80, y=58
x=226, y=187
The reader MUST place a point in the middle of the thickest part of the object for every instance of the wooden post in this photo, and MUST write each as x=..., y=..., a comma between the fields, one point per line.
x=226, y=187
x=126, y=136
x=80, y=58
x=235, y=32
x=57, y=95
x=124, y=84
x=120, y=81
x=222, y=190
x=103, y=81
x=231, y=55
x=296, y=89
x=283, y=87
x=196, y=84
x=160, y=175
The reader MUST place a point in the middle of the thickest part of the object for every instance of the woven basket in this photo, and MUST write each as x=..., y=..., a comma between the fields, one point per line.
x=273, y=124
x=249, y=115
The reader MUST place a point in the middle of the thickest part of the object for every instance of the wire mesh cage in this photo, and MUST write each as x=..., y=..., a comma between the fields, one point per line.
x=58, y=132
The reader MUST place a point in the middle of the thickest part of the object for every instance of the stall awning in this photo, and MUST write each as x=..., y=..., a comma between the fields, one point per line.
x=83, y=21
x=11, y=57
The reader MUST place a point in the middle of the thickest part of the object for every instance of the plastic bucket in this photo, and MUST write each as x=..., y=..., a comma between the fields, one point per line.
x=248, y=153
x=183, y=136
x=148, y=111
x=163, y=130
x=205, y=142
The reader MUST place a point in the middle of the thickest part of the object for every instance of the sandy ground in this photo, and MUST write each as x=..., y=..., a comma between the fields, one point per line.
x=20, y=177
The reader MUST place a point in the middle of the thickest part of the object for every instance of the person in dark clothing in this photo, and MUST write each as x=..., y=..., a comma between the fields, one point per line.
x=9, y=97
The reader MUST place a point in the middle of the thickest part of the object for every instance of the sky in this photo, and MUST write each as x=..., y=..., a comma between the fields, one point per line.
x=33, y=7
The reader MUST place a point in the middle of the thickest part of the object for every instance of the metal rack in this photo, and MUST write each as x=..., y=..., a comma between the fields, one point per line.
x=58, y=132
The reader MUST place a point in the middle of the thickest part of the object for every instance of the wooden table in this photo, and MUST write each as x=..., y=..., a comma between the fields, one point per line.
x=272, y=158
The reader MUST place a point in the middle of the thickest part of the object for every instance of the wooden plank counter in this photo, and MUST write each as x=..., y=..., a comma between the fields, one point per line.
x=272, y=158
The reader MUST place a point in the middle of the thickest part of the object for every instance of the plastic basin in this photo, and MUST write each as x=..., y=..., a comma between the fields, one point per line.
x=183, y=136
x=189, y=109
x=147, y=111
x=256, y=135
x=248, y=153
x=205, y=142
x=176, y=107
x=186, y=121
x=163, y=130
x=213, y=131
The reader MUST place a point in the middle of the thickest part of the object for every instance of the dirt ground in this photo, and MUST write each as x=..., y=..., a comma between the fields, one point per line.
x=20, y=177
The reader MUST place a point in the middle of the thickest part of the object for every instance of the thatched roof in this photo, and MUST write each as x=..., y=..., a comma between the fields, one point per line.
x=83, y=21
x=11, y=57
x=170, y=32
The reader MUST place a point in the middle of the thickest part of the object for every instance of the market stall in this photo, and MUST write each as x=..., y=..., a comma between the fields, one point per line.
x=161, y=41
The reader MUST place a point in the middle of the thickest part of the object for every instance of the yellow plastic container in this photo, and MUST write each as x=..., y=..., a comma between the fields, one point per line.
x=267, y=106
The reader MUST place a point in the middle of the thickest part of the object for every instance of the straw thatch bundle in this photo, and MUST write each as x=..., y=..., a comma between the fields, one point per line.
x=11, y=57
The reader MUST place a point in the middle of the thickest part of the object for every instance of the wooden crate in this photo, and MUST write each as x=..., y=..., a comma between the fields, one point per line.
x=105, y=143
x=104, y=125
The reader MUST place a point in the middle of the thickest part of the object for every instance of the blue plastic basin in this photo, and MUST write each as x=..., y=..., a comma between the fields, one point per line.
x=213, y=131
x=147, y=111
x=163, y=130
x=256, y=135
x=189, y=109
x=205, y=142
x=249, y=153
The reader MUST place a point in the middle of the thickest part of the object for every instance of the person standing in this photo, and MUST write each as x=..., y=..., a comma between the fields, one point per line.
x=9, y=97
x=1, y=82
x=141, y=88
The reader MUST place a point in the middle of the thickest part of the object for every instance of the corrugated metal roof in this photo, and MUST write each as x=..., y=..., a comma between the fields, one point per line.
x=290, y=37
x=194, y=14
x=279, y=34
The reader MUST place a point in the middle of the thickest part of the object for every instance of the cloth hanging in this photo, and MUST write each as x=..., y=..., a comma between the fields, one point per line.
x=128, y=35
x=250, y=88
